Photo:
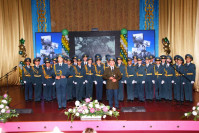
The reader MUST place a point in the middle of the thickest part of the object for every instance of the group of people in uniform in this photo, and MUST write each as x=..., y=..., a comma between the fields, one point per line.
x=67, y=79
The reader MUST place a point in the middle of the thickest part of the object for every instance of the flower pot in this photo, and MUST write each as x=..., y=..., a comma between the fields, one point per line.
x=86, y=118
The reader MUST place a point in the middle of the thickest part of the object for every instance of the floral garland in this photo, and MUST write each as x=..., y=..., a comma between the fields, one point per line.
x=123, y=45
x=194, y=112
x=5, y=111
x=90, y=108
x=65, y=42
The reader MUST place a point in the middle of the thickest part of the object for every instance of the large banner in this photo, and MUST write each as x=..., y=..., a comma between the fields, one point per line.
x=141, y=43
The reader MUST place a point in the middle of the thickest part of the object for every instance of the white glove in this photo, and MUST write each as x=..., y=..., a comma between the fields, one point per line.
x=24, y=82
x=143, y=82
x=75, y=83
x=104, y=82
x=53, y=83
x=122, y=82
x=95, y=82
x=172, y=81
x=86, y=81
x=192, y=82
x=183, y=83
x=34, y=84
x=44, y=84
x=162, y=82
x=153, y=81
x=135, y=82
x=125, y=81
x=83, y=83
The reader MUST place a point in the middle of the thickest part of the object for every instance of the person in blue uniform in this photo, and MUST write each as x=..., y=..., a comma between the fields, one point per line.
x=74, y=63
x=140, y=78
x=69, y=87
x=112, y=74
x=61, y=73
x=106, y=65
x=175, y=65
x=149, y=92
x=159, y=73
x=180, y=80
x=135, y=60
x=27, y=76
x=79, y=79
x=37, y=79
x=54, y=86
x=121, y=66
x=130, y=79
x=85, y=59
x=99, y=70
x=190, y=73
x=163, y=60
x=74, y=58
x=47, y=80
x=151, y=59
x=169, y=79
x=90, y=72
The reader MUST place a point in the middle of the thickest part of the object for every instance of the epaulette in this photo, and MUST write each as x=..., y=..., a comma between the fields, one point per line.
x=107, y=67
x=143, y=64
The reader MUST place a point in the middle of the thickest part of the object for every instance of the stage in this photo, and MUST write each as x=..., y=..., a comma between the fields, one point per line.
x=161, y=116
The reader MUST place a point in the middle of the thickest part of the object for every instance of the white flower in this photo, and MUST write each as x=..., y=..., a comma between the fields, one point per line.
x=77, y=114
x=77, y=103
x=104, y=116
x=185, y=114
x=194, y=113
x=3, y=111
x=4, y=101
x=86, y=111
x=74, y=110
x=114, y=109
x=110, y=112
x=193, y=108
x=96, y=101
x=90, y=105
x=69, y=110
x=1, y=106
x=102, y=106
x=97, y=106
x=198, y=108
x=83, y=112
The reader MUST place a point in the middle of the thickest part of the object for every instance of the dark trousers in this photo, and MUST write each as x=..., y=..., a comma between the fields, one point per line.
x=28, y=91
x=158, y=88
x=99, y=90
x=37, y=91
x=121, y=91
x=89, y=89
x=149, y=89
x=79, y=90
x=188, y=91
x=47, y=92
x=69, y=89
x=179, y=91
x=53, y=91
x=130, y=91
x=113, y=93
x=61, y=92
x=140, y=91
x=168, y=90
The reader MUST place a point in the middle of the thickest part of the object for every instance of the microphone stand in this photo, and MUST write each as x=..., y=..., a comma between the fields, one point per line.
x=7, y=74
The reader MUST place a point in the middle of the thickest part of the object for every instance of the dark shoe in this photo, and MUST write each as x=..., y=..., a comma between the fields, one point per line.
x=59, y=108
x=64, y=107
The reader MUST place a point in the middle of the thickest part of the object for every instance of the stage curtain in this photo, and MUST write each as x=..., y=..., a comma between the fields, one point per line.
x=196, y=49
x=177, y=21
x=149, y=18
x=15, y=23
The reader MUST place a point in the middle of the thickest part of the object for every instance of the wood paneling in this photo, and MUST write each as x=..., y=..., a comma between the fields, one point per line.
x=83, y=15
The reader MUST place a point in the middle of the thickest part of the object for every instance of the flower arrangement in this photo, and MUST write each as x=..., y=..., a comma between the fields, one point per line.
x=5, y=111
x=90, y=108
x=194, y=112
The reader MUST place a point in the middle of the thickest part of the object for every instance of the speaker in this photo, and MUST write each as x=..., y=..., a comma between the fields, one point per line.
x=133, y=109
x=24, y=111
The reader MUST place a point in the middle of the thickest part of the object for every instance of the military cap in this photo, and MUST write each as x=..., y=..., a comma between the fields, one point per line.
x=129, y=59
x=85, y=55
x=181, y=58
x=65, y=57
x=47, y=61
x=60, y=55
x=107, y=56
x=176, y=57
x=163, y=56
x=79, y=59
x=89, y=58
x=55, y=59
x=151, y=56
x=36, y=59
x=111, y=58
x=147, y=58
x=157, y=59
x=46, y=58
x=75, y=57
x=135, y=57
x=188, y=55
x=98, y=58
x=27, y=60
x=97, y=55
x=139, y=59
x=69, y=59
x=169, y=57
x=119, y=58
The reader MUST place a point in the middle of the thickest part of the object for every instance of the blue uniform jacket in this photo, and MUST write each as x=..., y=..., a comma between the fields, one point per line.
x=190, y=72
x=27, y=74
x=37, y=74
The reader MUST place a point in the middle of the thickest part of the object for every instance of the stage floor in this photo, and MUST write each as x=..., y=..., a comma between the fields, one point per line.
x=156, y=112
